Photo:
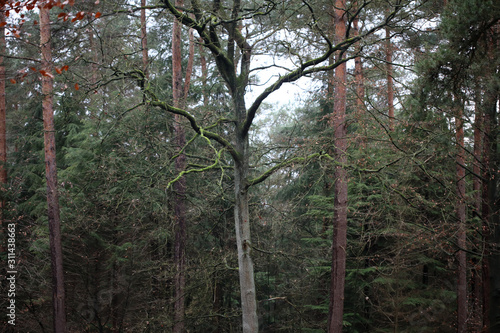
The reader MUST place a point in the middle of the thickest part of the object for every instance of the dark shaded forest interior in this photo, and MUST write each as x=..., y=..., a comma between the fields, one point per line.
x=250, y=166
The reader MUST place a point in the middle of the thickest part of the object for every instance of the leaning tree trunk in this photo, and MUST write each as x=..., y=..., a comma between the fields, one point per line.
x=58, y=294
x=336, y=310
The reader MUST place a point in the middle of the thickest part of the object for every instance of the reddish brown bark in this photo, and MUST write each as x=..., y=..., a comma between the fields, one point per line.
x=461, y=218
x=180, y=92
x=336, y=309
x=189, y=68
x=58, y=293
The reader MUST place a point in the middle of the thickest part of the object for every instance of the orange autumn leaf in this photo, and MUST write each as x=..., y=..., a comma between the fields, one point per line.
x=13, y=81
x=58, y=70
x=97, y=15
x=80, y=15
x=45, y=73
x=77, y=87
x=3, y=24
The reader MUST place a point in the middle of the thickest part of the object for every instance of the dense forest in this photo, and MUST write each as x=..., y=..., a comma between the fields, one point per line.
x=250, y=166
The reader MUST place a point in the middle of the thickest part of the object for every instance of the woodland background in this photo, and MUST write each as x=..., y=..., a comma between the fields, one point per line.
x=371, y=196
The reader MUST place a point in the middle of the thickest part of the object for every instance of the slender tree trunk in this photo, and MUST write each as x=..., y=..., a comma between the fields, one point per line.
x=336, y=310
x=3, y=129
x=180, y=93
x=390, y=83
x=144, y=40
x=478, y=147
x=58, y=295
x=461, y=218
x=494, y=195
x=485, y=213
x=359, y=78
x=476, y=186
x=490, y=208
x=491, y=212
x=242, y=225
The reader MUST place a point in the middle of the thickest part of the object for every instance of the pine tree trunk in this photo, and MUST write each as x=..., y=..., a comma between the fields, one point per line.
x=476, y=186
x=461, y=218
x=490, y=204
x=180, y=93
x=485, y=213
x=491, y=209
x=58, y=295
x=336, y=310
